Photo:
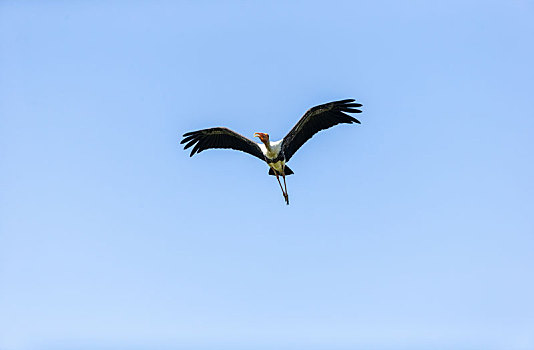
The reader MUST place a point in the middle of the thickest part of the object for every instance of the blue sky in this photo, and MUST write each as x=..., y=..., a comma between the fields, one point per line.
x=413, y=230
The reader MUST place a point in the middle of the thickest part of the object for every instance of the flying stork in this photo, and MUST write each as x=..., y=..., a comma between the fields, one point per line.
x=276, y=154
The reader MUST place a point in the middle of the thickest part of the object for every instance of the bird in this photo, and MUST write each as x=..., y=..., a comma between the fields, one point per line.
x=276, y=153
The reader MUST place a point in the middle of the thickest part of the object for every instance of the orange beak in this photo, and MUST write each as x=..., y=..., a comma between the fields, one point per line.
x=258, y=134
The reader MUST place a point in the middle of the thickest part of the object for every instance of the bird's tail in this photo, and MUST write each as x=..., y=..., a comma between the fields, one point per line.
x=287, y=171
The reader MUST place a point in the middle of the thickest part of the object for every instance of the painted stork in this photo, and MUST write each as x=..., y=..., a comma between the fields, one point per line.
x=276, y=154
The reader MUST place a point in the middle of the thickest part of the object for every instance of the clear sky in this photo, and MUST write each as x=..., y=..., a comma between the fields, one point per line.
x=413, y=230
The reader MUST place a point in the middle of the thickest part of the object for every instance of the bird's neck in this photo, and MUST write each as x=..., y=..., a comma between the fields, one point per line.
x=268, y=145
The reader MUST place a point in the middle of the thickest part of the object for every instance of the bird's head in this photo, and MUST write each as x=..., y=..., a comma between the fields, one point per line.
x=263, y=137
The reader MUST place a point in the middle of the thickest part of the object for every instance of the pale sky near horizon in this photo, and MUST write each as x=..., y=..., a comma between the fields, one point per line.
x=413, y=230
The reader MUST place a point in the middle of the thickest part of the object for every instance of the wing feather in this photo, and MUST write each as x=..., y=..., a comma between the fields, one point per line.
x=316, y=119
x=220, y=138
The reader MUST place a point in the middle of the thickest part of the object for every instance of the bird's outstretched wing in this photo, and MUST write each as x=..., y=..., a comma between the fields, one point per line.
x=316, y=119
x=220, y=138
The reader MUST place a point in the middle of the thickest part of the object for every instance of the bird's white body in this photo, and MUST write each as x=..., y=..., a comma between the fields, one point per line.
x=278, y=166
x=271, y=152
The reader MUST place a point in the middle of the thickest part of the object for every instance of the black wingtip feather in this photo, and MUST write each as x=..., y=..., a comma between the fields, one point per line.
x=350, y=110
x=191, y=143
x=187, y=139
x=344, y=101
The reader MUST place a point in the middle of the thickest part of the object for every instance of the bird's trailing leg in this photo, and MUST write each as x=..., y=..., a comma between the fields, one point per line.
x=285, y=187
x=283, y=192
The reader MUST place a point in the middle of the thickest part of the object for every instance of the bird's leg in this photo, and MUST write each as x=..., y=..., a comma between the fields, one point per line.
x=278, y=178
x=285, y=186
